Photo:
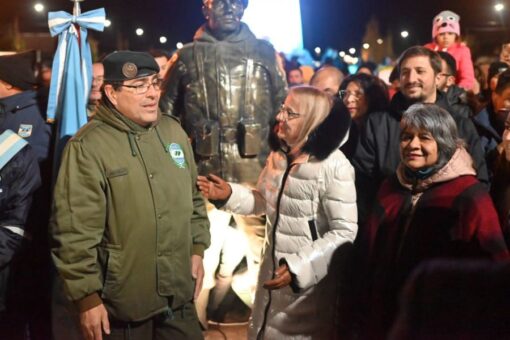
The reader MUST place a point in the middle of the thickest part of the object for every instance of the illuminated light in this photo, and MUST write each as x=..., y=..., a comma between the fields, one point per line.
x=341, y=54
x=179, y=45
x=162, y=40
x=285, y=32
x=318, y=50
x=366, y=46
x=352, y=50
x=404, y=34
x=379, y=41
x=355, y=60
x=139, y=31
x=348, y=59
x=499, y=7
x=39, y=7
x=107, y=23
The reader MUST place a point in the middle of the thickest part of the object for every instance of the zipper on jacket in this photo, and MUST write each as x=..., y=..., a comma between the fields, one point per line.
x=273, y=250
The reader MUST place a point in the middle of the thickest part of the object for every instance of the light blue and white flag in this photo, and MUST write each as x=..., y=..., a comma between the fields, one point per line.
x=71, y=76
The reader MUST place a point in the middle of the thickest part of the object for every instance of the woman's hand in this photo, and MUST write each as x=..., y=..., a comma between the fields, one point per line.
x=214, y=187
x=282, y=278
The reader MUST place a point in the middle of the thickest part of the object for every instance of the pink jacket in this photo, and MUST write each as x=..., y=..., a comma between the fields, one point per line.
x=462, y=55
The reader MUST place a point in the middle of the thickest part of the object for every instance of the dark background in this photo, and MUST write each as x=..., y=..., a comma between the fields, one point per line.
x=326, y=23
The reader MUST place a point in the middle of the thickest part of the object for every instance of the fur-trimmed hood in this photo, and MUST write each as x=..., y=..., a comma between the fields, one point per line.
x=332, y=133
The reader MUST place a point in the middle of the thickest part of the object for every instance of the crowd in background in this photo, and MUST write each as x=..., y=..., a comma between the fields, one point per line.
x=429, y=144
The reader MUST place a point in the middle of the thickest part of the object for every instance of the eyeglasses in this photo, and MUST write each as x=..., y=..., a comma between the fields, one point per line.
x=344, y=94
x=287, y=114
x=143, y=88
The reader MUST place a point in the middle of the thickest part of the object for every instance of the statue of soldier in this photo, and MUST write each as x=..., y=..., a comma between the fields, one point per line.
x=225, y=86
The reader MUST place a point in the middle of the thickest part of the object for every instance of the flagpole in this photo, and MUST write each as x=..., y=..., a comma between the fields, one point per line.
x=76, y=8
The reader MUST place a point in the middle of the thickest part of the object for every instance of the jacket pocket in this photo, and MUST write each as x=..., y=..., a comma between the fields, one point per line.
x=110, y=261
x=313, y=230
x=116, y=172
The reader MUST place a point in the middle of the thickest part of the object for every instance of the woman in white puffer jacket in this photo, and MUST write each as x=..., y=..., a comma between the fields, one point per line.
x=307, y=192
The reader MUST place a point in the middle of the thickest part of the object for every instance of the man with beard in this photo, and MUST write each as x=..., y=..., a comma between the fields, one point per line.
x=226, y=86
x=377, y=155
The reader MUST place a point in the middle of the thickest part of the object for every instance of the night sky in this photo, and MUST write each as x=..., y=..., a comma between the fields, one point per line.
x=337, y=23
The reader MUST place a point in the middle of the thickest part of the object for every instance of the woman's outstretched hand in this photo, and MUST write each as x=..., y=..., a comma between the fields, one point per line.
x=214, y=187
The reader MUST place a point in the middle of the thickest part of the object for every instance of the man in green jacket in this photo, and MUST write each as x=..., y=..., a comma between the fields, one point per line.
x=129, y=226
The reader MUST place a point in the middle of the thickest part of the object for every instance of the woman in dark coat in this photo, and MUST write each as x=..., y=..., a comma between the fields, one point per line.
x=433, y=207
x=362, y=94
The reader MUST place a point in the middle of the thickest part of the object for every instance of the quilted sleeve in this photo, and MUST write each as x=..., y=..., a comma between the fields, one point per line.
x=311, y=263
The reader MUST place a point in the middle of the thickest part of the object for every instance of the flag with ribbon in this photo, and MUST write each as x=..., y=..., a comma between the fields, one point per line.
x=72, y=70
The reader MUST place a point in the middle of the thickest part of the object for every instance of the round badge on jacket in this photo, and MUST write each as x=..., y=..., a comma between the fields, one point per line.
x=177, y=155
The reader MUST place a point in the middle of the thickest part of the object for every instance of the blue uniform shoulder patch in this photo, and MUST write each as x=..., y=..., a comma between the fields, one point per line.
x=25, y=130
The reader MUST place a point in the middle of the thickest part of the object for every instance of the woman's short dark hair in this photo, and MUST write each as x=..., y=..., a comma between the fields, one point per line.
x=375, y=90
x=439, y=123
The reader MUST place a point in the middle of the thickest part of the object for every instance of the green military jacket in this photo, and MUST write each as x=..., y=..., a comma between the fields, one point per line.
x=128, y=216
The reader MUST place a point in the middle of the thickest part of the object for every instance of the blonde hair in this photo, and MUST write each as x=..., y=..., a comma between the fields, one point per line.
x=314, y=106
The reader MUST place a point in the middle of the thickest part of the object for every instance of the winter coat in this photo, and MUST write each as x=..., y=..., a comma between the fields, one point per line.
x=447, y=215
x=30, y=271
x=19, y=179
x=500, y=191
x=462, y=54
x=128, y=216
x=456, y=97
x=214, y=86
x=378, y=153
x=489, y=135
x=310, y=205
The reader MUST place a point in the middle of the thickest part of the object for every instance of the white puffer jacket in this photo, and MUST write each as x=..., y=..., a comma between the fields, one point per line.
x=314, y=217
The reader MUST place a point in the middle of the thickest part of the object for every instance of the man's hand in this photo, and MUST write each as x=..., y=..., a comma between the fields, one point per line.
x=214, y=187
x=197, y=271
x=93, y=321
x=282, y=278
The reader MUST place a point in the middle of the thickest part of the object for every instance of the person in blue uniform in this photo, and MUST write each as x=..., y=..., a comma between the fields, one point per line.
x=28, y=303
x=19, y=178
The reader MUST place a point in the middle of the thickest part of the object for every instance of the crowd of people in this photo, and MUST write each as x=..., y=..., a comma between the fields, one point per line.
x=355, y=207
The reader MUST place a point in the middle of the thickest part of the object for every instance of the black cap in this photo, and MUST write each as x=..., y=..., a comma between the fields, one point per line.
x=127, y=65
x=16, y=70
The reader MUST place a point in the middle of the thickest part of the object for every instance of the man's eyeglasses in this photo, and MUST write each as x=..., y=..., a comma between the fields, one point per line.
x=143, y=88
x=287, y=114
x=344, y=94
